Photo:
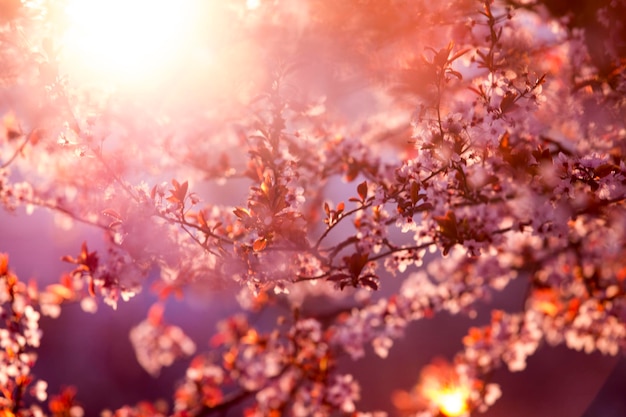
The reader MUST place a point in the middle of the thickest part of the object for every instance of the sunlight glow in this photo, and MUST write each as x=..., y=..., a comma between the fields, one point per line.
x=125, y=40
x=442, y=387
x=253, y=4
x=451, y=401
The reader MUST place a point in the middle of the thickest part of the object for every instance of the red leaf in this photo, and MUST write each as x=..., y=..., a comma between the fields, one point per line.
x=456, y=74
x=508, y=102
x=606, y=169
x=184, y=187
x=356, y=262
x=202, y=220
x=35, y=136
x=352, y=172
x=458, y=55
x=441, y=57
x=60, y=290
x=241, y=212
x=369, y=282
x=4, y=264
x=179, y=192
x=155, y=314
x=259, y=244
x=69, y=259
x=415, y=189
x=447, y=224
x=88, y=259
x=505, y=142
x=92, y=287
x=362, y=190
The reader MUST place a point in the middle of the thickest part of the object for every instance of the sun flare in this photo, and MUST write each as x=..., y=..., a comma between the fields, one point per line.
x=125, y=40
x=451, y=402
x=444, y=389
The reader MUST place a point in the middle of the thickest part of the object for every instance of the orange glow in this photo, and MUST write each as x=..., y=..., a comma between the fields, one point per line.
x=545, y=300
x=442, y=387
x=451, y=401
x=125, y=40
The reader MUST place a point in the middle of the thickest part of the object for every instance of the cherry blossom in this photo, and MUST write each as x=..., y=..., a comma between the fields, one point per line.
x=306, y=154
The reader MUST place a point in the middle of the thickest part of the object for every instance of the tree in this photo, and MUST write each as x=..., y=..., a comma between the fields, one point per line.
x=473, y=143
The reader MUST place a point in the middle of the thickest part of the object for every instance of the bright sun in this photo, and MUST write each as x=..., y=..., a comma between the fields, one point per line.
x=125, y=41
x=452, y=401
